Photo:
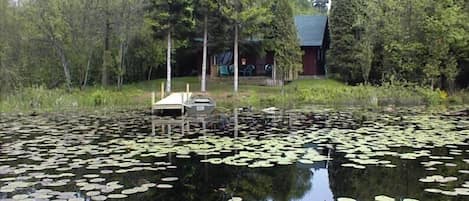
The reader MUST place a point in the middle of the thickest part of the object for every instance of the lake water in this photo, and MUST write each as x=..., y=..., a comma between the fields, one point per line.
x=319, y=155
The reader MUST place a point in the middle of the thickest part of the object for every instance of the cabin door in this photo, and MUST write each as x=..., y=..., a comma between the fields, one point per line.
x=310, y=66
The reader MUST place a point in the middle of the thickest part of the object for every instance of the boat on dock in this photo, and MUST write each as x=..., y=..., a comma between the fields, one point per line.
x=200, y=105
x=181, y=103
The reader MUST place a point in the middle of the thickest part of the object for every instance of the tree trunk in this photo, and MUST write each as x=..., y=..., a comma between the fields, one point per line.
x=105, y=75
x=168, y=65
x=236, y=59
x=149, y=73
x=120, y=73
x=85, y=79
x=65, y=66
x=204, y=59
x=59, y=50
x=274, y=71
x=432, y=83
x=283, y=83
x=123, y=69
x=213, y=67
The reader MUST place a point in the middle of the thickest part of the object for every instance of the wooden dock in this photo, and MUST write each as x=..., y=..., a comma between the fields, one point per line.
x=175, y=101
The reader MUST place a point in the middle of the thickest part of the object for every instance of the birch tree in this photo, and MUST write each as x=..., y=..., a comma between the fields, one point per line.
x=128, y=24
x=247, y=18
x=48, y=17
x=204, y=9
x=173, y=20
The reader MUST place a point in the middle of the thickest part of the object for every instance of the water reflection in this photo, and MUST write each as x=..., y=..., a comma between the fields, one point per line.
x=280, y=184
x=400, y=182
x=183, y=126
x=320, y=189
x=203, y=181
x=236, y=122
x=324, y=181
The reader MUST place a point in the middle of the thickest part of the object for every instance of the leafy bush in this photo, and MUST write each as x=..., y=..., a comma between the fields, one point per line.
x=98, y=97
x=430, y=97
x=269, y=101
x=456, y=100
x=297, y=93
x=460, y=97
x=252, y=99
x=366, y=95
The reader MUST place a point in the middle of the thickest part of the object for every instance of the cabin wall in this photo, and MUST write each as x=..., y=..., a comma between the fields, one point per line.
x=314, y=61
x=310, y=63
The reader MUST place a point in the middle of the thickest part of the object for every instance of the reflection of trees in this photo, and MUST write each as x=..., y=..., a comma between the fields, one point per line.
x=400, y=182
x=200, y=181
x=365, y=184
x=279, y=184
x=295, y=182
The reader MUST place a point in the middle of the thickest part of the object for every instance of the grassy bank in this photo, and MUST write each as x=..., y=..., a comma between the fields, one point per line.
x=301, y=92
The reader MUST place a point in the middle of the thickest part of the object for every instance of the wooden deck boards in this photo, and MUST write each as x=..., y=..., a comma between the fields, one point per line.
x=172, y=102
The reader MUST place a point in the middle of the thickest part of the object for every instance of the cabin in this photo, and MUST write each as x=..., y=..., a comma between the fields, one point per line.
x=313, y=33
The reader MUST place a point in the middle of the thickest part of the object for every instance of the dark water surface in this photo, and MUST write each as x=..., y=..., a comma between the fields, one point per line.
x=261, y=156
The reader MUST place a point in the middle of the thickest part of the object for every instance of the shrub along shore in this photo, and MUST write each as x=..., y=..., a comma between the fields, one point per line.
x=293, y=95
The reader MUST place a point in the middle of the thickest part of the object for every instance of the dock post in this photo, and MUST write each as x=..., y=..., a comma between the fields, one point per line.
x=187, y=91
x=182, y=126
x=162, y=90
x=152, y=102
x=182, y=104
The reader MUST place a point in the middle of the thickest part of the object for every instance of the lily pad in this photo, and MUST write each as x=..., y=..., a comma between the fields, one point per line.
x=384, y=198
x=164, y=186
x=345, y=199
x=236, y=199
x=117, y=196
x=169, y=179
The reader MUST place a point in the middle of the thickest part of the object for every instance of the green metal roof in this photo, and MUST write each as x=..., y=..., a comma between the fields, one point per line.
x=311, y=29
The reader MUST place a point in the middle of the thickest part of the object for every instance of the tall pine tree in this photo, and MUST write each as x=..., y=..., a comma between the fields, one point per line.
x=172, y=20
x=247, y=17
x=345, y=39
x=282, y=40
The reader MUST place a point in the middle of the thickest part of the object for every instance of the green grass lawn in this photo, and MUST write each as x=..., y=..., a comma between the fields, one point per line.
x=297, y=93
